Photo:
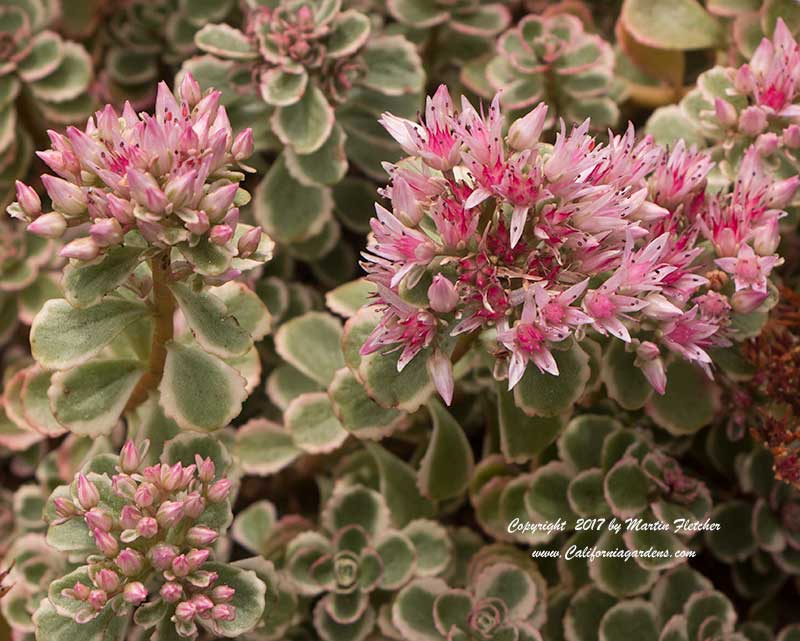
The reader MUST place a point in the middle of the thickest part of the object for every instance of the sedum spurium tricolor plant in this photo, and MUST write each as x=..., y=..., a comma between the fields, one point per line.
x=559, y=328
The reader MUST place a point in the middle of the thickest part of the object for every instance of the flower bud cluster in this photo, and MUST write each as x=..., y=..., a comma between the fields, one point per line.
x=154, y=547
x=166, y=176
x=546, y=242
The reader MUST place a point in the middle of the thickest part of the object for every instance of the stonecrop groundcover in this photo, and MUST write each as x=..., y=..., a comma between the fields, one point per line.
x=415, y=320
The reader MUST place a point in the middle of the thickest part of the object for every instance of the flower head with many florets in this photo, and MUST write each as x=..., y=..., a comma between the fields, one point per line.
x=546, y=242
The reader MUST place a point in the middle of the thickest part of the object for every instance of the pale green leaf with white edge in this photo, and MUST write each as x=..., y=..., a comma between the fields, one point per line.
x=688, y=403
x=264, y=448
x=86, y=283
x=357, y=412
x=287, y=210
x=432, y=545
x=253, y=525
x=314, y=427
x=347, y=299
x=669, y=124
x=312, y=344
x=393, y=66
x=523, y=437
x=447, y=466
x=679, y=24
x=405, y=390
x=45, y=54
x=70, y=79
x=636, y=619
x=305, y=125
x=349, y=32
x=625, y=382
x=213, y=327
x=413, y=609
x=248, y=599
x=325, y=166
x=63, y=336
x=31, y=299
x=183, y=448
x=246, y=307
x=14, y=437
x=285, y=383
x=198, y=390
x=36, y=403
x=226, y=42
x=51, y=626
x=417, y=13
x=89, y=399
x=542, y=394
x=281, y=88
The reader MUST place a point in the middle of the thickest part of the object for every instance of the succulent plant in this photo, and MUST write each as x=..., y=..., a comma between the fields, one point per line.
x=551, y=59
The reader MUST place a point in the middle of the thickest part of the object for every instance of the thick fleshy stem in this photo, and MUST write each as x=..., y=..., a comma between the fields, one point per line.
x=164, y=312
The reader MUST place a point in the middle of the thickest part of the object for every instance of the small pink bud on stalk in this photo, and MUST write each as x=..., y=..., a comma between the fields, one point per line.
x=106, y=232
x=223, y=612
x=170, y=476
x=67, y=198
x=781, y=192
x=169, y=513
x=767, y=144
x=171, y=592
x=107, y=580
x=180, y=566
x=442, y=295
x=743, y=81
x=725, y=112
x=85, y=248
x=97, y=599
x=206, y=469
x=65, y=508
x=441, y=370
x=197, y=558
x=129, y=459
x=179, y=189
x=243, y=145
x=216, y=203
x=121, y=210
x=524, y=132
x=791, y=136
x=219, y=491
x=747, y=300
x=405, y=203
x=222, y=593
x=194, y=505
x=88, y=496
x=202, y=603
x=79, y=591
x=766, y=238
x=161, y=555
x=134, y=593
x=98, y=519
x=220, y=234
x=145, y=495
x=249, y=242
x=190, y=90
x=147, y=527
x=130, y=562
x=185, y=611
x=106, y=543
x=752, y=121
x=28, y=200
x=648, y=359
x=201, y=536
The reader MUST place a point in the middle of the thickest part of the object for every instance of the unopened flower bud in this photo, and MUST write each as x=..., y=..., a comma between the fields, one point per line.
x=524, y=132
x=28, y=200
x=88, y=496
x=243, y=145
x=106, y=543
x=80, y=591
x=180, y=566
x=223, y=612
x=185, y=611
x=442, y=295
x=145, y=495
x=206, y=469
x=147, y=527
x=130, y=562
x=98, y=519
x=106, y=232
x=743, y=81
x=767, y=144
x=197, y=558
x=725, y=112
x=791, y=136
x=219, y=491
x=67, y=198
x=84, y=248
x=134, y=593
x=161, y=555
x=216, y=203
x=169, y=513
x=107, y=580
x=249, y=242
x=220, y=234
x=781, y=192
x=65, y=508
x=170, y=476
x=194, y=505
x=180, y=188
x=129, y=459
x=752, y=121
x=200, y=535
x=405, y=204
x=190, y=90
x=97, y=599
x=121, y=210
x=50, y=225
x=171, y=592
x=202, y=603
x=222, y=593
x=747, y=300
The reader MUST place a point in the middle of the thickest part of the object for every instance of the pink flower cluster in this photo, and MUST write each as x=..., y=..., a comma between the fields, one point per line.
x=154, y=538
x=546, y=242
x=166, y=176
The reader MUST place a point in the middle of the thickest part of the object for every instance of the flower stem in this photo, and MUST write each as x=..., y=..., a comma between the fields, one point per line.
x=164, y=310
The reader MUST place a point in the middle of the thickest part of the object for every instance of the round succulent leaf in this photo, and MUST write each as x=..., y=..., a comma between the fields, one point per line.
x=357, y=412
x=50, y=625
x=406, y=390
x=349, y=31
x=703, y=606
x=732, y=542
x=354, y=203
x=184, y=446
x=585, y=494
x=398, y=486
x=281, y=602
x=355, y=505
x=452, y=609
x=669, y=124
x=264, y=448
x=89, y=399
x=683, y=24
x=542, y=394
x=69, y=80
x=283, y=88
x=689, y=402
x=785, y=9
x=289, y=211
x=317, y=247
x=399, y=556
x=312, y=344
x=246, y=307
x=584, y=613
x=626, y=488
x=624, y=381
x=44, y=56
x=660, y=541
x=523, y=437
x=674, y=588
x=393, y=66
x=432, y=546
x=635, y=619
x=348, y=607
x=663, y=64
x=345, y=300
x=446, y=468
x=767, y=528
x=213, y=327
x=253, y=525
x=207, y=258
x=226, y=42
x=85, y=283
x=130, y=67
x=325, y=166
x=14, y=436
x=199, y=391
x=285, y=383
x=314, y=428
x=615, y=575
x=417, y=13
x=35, y=402
x=63, y=336
x=546, y=498
x=330, y=630
x=413, y=609
x=581, y=443
x=248, y=599
x=9, y=90
x=32, y=298
x=483, y=21
x=305, y=125
x=510, y=584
